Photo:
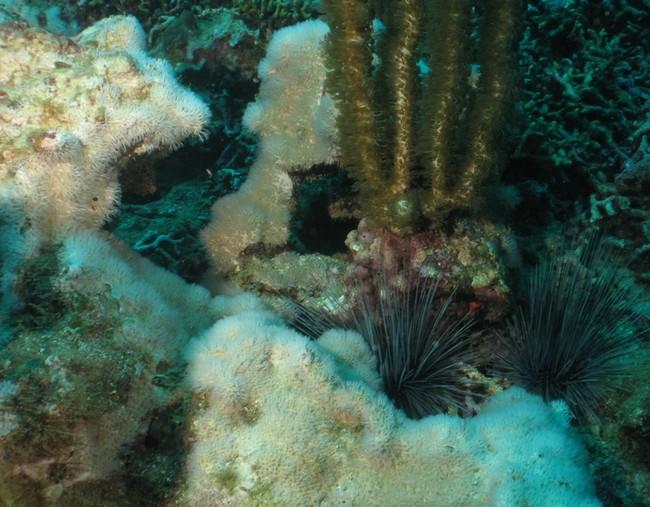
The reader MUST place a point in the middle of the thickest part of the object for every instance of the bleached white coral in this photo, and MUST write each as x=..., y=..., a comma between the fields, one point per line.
x=290, y=421
x=115, y=33
x=293, y=115
x=72, y=111
x=169, y=309
x=295, y=121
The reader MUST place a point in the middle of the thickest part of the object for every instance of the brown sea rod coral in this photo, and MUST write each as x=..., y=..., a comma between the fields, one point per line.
x=420, y=144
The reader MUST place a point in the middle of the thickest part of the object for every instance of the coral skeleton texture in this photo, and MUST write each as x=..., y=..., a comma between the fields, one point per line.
x=294, y=119
x=290, y=421
x=73, y=111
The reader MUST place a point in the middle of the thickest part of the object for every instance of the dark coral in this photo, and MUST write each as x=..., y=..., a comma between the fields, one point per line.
x=585, y=82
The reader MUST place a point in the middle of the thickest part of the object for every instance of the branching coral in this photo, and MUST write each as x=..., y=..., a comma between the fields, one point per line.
x=421, y=145
x=275, y=13
x=585, y=82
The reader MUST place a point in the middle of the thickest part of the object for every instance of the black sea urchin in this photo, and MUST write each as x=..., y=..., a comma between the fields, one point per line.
x=420, y=347
x=572, y=336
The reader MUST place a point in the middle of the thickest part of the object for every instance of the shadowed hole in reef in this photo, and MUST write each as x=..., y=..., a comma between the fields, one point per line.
x=154, y=462
x=546, y=192
x=313, y=229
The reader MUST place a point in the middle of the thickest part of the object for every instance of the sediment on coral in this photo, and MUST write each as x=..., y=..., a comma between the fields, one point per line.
x=93, y=359
x=116, y=104
x=96, y=405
